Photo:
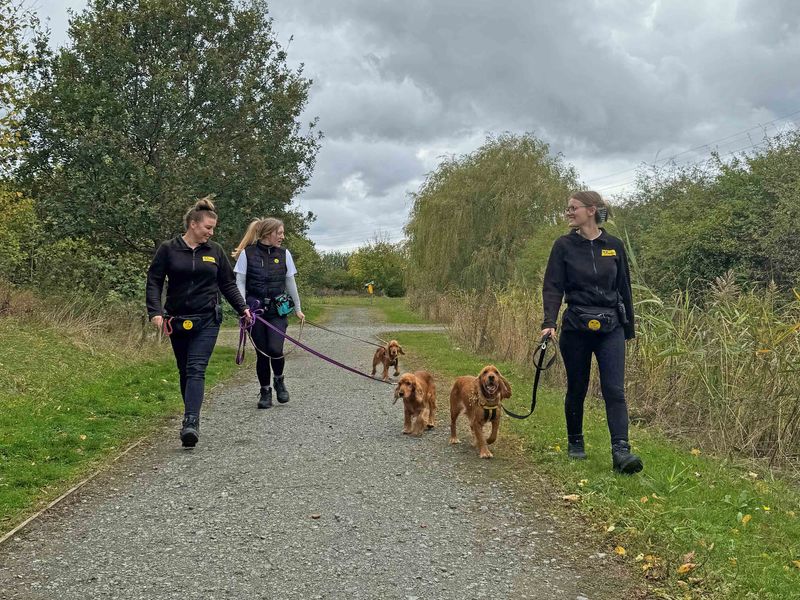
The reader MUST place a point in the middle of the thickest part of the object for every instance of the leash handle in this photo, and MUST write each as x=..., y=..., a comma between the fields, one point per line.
x=538, y=363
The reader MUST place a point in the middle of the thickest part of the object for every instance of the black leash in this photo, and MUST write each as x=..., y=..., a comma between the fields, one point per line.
x=538, y=362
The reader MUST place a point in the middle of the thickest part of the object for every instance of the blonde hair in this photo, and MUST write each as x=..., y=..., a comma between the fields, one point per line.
x=201, y=208
x=257, y=230
x=589, y=198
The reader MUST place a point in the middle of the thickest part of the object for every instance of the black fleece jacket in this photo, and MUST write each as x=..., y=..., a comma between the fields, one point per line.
x=587, y=273
x=195, y=277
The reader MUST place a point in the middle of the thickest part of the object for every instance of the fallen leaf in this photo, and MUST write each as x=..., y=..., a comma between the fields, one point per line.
x=644, y=499
x=571, y=498
x=791, y=513
x=583, y=482
x=639, y=557
x=766, y=508
x=686, y=567
x=82, y=436
x=689, y=557
x=620, y=550
x=746, y=519
x=733, y=560
x=557, y=448
x=610, y=528
x=752, y=475
x=796, y=563
x=695, y=452
x=316, y=516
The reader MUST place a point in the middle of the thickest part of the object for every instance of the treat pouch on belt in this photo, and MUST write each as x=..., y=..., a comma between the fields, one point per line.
x=594, y=319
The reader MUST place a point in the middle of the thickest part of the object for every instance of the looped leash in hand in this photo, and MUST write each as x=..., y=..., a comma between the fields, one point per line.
x=245, y=333
x=538, y=362
x=283, y=334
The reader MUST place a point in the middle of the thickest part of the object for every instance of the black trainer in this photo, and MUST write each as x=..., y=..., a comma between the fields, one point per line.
x=575, y=448
x=265, y=401
x=624, y=461
x=190, y=431
x=281, y=393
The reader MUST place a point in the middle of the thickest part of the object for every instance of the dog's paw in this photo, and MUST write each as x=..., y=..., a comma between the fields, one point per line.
x=486, y=454
x=454, y=440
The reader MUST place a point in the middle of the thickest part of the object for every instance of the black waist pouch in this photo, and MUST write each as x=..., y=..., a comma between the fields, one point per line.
x=183, y=324
x=594, y=319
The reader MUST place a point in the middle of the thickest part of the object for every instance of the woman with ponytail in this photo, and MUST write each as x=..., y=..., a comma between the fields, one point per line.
x=589, y=269
x=265, y=274
x=196, y=270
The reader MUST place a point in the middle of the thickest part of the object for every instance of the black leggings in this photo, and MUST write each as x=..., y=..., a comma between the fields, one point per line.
x=270, y=342
x=577, y=348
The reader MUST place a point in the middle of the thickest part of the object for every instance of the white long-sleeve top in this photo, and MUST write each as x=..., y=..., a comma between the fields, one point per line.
x=291, y=286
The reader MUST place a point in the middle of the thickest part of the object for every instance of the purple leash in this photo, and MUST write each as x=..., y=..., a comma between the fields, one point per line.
x=243, y=329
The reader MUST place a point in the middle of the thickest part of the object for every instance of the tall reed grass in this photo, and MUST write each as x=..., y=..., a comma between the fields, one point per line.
x=723, y=371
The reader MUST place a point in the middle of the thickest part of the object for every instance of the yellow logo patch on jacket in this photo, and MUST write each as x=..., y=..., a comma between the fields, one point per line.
x=609, y=253
x=211, y=259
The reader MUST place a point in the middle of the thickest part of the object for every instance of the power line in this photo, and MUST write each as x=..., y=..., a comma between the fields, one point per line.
x=689, y=164
x=706, y=145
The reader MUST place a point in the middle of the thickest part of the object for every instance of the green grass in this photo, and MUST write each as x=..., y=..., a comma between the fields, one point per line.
x=388, y=310
x=742, y=526
x=68, y=404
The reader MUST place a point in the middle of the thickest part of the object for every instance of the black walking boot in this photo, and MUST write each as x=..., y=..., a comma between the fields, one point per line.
x=265, y=401
x=190, y=431
x=624, y=461
x=281, y=393
x=575, y=448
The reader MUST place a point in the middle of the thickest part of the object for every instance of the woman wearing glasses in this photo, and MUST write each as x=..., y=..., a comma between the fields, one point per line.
x=589, y=269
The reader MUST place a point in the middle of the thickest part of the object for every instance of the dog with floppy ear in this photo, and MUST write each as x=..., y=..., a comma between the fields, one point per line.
x=388, y=357
x=418, y=392
x=480, y=399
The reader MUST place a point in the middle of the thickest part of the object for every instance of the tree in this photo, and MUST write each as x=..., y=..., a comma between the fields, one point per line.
x=381, y=262
x=157, y=102
x=474, y=214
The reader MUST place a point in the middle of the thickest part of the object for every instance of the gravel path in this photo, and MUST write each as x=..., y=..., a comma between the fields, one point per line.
x=320, y=498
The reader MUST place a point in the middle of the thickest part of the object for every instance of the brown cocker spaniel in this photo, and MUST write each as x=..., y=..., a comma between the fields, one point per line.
x=418, y=392
x=479, y=397
x=388, y=357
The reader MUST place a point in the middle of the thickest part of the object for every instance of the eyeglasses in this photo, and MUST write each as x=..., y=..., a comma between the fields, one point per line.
x=571, y=210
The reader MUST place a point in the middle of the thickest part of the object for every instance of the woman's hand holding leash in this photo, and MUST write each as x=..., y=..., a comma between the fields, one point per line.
x=248, y=317
x=157, y=321
x=300, y=315
x=548, y=333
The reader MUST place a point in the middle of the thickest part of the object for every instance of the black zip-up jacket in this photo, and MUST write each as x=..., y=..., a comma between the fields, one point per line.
x=195, y=277
x=587, y=273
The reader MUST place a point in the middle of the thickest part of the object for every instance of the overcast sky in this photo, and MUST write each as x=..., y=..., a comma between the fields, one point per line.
x=610, y=84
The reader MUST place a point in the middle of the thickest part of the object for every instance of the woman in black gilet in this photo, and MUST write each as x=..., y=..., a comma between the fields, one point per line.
x=265, y=272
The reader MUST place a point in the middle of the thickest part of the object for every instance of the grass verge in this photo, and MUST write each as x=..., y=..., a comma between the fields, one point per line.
x=692, y=525
x=69, y=404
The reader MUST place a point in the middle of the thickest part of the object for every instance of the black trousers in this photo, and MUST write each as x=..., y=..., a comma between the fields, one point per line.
x=577, y=348
x=271, y=343
x=192, y=351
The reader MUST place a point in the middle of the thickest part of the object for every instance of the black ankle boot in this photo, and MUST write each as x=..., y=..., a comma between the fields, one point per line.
x=190, y=430
x=281, y=393
x=265, y=401
x=575, y=448
x=624, y=461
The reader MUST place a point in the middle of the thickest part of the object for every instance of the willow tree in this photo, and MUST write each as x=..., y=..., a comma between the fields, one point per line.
x=153, y=103
x=474, y=214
